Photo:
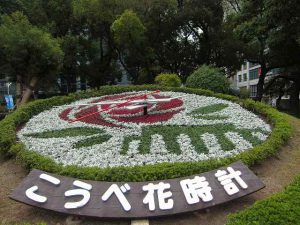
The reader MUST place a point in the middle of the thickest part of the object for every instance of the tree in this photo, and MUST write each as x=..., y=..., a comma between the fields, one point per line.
x=165, y=36
x=232, y=6
x=54, y=15
x=9, y=6
x=284, y=22
x=190, y=28
x=129, y=37
x=31, y=54
x=250, y=27
x=98, y=17
x=204, y=38
x=210, y=78
x=269, y=29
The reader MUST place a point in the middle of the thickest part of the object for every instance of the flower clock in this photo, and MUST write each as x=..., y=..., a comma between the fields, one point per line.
x=99, y=132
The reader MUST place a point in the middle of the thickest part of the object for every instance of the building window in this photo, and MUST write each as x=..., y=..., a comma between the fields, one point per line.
x=244, y=77
x=253, y=90
x=240, y=78
x=253, y=74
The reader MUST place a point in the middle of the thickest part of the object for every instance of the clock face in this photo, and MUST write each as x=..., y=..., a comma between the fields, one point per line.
x=188, y=127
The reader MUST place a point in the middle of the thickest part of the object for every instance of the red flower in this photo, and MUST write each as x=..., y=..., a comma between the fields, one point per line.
x=157, y=112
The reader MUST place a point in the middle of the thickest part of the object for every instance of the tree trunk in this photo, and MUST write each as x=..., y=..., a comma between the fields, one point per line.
x=19, y=90
x=28, y=90
x=294, y=98
x=281, y=93
x=261, y=82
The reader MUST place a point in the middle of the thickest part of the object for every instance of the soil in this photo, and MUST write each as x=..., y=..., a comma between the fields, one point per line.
x=275, y=172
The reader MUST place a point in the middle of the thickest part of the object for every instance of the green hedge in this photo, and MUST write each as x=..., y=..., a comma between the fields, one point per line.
x=281, y=209
x=209, y=77
x=9, y=144
x=168, y=80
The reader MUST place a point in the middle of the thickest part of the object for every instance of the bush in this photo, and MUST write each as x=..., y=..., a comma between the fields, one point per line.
x=10, y=146
x=210, y=78
x=168, y=80
x=244, y=93
x=281, y=208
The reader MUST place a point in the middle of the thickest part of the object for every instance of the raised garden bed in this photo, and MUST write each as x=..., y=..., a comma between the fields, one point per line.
x=194, y=133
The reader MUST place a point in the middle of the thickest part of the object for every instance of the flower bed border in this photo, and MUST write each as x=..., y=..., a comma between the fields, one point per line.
x=280, y=208
x=9, y=144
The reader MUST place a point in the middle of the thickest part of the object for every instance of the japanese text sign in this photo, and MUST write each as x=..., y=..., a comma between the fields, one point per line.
x=136, y=199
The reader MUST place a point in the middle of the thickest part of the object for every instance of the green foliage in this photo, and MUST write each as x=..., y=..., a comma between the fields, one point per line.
x=35, y=53
x=28, y=51
x=210, y=78
x=168, y=80
x=74, y=132
x=170, y=135
x=8, y=143
x=270, y=39
x=9, y=6
x=281, y=208
x=92, y=141
x=128, y=29
x=244, y=93
x=210, y=109
x=69, y=132
x=147, y=34
x=53, y=15
x=202, y=112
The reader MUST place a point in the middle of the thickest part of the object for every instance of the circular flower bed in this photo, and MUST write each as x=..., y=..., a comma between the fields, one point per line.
x=188, y=128
x=10, y=144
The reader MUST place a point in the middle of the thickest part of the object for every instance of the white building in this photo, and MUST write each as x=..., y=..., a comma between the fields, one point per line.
x=247, y=77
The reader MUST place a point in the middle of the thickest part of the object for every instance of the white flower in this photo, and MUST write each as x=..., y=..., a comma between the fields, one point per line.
x=108, y=154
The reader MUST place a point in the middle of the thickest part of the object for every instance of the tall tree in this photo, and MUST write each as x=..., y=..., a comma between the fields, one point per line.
x=99, y=16
x=284, y=22
x=54, y=15
x=192, y=29
x=31, y=54
x=269, y=30
x=251, y=28
x=129, y=37
x=204, y=19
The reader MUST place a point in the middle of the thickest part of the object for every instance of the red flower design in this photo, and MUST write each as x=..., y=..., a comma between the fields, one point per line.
x=157, y=112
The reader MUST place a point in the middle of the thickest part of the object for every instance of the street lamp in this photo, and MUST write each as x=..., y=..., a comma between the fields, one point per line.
x=8, y=85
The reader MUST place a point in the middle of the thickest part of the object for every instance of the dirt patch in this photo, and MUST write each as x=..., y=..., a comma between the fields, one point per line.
x=275, y=172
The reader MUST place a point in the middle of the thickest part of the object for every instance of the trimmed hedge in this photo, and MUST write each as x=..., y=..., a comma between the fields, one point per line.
x=280, y=209
x=9, y=144
x=209, y=77
x=168, y=80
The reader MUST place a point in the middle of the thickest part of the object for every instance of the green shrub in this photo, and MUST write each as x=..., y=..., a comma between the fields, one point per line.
x=244, y=93
x=280, y=209
x=210, y=78
x=168, y=80
x=9, y=145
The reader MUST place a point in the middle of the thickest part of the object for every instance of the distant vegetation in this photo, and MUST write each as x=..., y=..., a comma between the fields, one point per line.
x=99, y=40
